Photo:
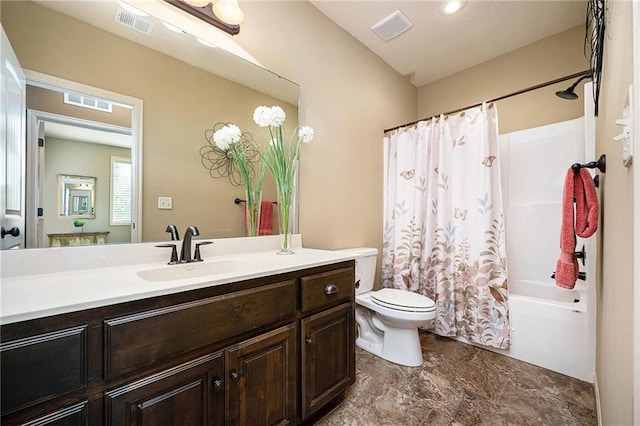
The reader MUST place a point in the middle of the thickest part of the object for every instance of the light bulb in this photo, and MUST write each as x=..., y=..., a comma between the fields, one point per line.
x=228, y=11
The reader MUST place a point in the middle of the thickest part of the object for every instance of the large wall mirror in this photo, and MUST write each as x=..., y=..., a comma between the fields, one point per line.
x=183, y=88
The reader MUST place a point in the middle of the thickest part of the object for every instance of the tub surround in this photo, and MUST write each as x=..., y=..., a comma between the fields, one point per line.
x=42, y=282
x=270, y=342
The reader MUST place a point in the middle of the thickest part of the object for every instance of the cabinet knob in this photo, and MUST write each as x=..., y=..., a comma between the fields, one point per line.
x=330, y=289
x=308, y=340
x=235, y=376
x=217, y=384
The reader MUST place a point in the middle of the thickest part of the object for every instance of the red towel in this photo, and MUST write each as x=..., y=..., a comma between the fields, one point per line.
x=266, y=218
x=579, y=186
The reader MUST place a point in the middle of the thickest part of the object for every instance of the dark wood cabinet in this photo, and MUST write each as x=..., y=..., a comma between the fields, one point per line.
x=327, y=354
x=261, y=379
x=190, y=394
x=267, y=351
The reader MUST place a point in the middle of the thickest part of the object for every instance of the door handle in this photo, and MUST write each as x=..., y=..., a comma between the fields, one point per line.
x=14, y=232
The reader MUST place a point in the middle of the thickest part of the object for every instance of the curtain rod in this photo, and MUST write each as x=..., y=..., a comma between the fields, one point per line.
x=499, y=98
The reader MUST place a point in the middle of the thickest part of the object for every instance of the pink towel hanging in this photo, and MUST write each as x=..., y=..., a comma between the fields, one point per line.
x=578, y=186
x=266, y=218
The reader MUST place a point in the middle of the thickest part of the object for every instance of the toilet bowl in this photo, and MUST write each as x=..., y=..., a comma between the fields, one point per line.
x=388, y=319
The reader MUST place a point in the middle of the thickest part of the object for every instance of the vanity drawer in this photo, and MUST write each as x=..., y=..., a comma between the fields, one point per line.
x=139, y=340
x=326, y=288
x=39, y=367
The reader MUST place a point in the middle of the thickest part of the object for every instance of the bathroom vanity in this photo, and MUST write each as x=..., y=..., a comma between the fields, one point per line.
x=271, y=345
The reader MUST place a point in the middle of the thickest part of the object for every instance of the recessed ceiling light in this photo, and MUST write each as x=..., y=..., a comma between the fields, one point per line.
x=449, y=7
x=131, y=9
x=173, y=28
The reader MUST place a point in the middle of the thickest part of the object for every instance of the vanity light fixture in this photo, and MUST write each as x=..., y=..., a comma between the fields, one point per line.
x=225, y=15
x=449, y=7
x=228, y=11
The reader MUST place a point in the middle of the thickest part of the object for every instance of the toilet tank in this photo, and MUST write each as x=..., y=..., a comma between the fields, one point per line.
x=365, y=267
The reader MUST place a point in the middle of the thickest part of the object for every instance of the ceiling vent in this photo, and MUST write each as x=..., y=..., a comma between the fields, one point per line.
x=132, y=21
x=392, y=26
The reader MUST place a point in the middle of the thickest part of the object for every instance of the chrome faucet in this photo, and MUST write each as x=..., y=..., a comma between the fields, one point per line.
x=185, y=252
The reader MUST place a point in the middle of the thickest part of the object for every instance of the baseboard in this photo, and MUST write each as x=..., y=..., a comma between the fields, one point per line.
x=596, y=389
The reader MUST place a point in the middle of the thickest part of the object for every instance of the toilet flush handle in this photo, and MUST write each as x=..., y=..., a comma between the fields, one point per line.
x=330, y=289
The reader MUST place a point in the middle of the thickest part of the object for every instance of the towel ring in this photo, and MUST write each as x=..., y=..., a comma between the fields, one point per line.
x=601, y=165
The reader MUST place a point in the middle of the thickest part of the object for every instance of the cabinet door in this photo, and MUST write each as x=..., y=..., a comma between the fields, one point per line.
x=328, y=356
x=189, y=394
x=261, y=379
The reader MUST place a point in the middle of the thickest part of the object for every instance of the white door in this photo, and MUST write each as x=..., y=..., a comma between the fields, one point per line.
x=12, y=145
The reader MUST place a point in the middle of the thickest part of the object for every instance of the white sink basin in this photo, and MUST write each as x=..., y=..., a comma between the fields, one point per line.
x=194, y=270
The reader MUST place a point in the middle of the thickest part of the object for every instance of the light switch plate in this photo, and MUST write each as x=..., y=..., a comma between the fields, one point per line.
x=165, y=203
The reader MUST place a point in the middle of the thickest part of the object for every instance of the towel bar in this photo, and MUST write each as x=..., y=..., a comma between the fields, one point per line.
x=238, y=201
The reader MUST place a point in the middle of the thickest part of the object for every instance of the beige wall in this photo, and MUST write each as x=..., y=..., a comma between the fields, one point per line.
x=546, y=60
x=81, y=159
x=180, y=103
x=349, y=95
x=614, y=365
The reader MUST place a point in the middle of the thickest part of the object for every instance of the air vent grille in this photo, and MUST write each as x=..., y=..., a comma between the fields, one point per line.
x=392, y=26
x=132, y=21
x=87, y=102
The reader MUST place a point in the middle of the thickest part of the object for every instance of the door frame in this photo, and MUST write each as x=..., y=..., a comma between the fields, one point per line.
x=35, y=160
x=46, y=81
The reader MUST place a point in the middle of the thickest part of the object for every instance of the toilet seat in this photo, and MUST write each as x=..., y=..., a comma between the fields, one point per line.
x=402, y=300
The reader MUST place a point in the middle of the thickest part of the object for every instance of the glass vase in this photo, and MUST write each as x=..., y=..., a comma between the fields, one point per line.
x=252, y=212
x=285, y=224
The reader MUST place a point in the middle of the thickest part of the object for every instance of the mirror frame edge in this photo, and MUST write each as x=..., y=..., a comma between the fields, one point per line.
x=47, y=81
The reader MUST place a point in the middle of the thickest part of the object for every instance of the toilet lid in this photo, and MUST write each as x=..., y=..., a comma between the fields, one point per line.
x=402, y=300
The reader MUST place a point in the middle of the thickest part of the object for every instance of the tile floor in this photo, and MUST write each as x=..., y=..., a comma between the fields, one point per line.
x=460, y=384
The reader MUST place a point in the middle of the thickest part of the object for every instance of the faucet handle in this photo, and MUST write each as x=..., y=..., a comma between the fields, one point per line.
x=174, y=253
x=196, y=256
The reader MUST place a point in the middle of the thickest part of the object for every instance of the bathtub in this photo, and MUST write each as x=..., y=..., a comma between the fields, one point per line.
x=550, y=328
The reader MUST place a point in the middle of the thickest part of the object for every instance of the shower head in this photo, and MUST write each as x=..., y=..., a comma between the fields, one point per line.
x=569, y=92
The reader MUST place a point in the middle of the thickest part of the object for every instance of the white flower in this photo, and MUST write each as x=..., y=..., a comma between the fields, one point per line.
x=277, y=116
x=269, y=116
x=226, y=136
x=261, y=116
x=305, y=133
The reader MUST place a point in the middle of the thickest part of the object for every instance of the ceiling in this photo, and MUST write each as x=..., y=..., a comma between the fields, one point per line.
x=437, y=46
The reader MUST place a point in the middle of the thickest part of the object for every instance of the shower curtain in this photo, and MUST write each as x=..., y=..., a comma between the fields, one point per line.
x=443, y=223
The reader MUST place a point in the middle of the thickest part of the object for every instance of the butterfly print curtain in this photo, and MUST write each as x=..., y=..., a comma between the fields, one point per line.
x=444, y=225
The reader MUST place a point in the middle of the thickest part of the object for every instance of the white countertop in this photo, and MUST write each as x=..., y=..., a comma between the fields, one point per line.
x=25, y=296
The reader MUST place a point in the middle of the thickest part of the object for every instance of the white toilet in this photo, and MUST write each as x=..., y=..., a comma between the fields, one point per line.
x=388, y=319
